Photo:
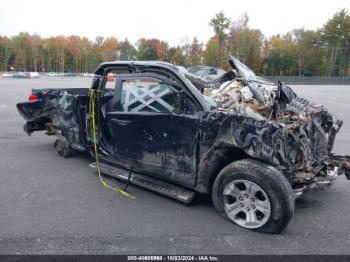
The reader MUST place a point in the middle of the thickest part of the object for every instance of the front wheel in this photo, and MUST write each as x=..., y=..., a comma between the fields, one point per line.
x=254, y=195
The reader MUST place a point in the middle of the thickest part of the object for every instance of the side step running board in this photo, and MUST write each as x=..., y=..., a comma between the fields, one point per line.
x=164, y=188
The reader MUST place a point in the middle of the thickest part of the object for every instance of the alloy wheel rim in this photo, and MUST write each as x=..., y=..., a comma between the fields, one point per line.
x=246, y=204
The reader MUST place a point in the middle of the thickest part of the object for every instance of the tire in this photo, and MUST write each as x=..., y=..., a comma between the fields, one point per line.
x=66, y=151
x=62, y=149
x=244, y=181
x=59, y=147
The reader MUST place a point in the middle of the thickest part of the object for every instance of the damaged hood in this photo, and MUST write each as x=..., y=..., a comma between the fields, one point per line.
x=270, y=122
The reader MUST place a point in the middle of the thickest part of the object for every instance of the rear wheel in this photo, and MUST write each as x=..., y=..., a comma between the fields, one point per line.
x=62, y=149
x=254, y=195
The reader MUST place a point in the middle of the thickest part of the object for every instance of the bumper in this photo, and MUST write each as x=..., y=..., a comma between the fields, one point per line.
x=341, y=166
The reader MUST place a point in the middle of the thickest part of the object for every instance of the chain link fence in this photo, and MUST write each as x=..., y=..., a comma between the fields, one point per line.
x=310, y=80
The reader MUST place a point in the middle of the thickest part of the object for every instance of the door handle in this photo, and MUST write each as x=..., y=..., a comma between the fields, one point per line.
x=121, y=122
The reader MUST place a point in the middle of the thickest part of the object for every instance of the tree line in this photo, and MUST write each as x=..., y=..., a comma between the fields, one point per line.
x=321, y=52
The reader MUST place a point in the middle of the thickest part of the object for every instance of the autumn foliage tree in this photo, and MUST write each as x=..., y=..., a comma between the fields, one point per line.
x=246, y=43
x=6, y=52
x=300, y=52
x=211, y=54
x=108, y=49
x=218, y=54
x=126, y=51
x=195, y=54
x=336, y=37
x=152, y=49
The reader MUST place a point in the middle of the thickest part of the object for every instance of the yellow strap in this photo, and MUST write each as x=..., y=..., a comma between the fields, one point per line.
x=104, y=183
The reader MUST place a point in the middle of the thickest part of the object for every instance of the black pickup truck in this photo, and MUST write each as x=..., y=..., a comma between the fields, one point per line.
x=253, y=145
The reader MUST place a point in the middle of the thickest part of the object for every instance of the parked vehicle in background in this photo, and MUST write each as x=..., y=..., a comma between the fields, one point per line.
x=34, y=75
x=22, y=75
x=66, y=74
x=86, y=75
x=7, y=75
x=70, y=74
x=52, y=74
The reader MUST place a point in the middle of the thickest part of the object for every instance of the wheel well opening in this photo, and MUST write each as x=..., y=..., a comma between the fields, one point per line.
x=221, y=158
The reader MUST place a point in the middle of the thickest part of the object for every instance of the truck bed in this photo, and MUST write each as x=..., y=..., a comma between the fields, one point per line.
x=58, y=111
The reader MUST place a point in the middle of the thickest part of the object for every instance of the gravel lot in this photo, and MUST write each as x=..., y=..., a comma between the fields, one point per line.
x=51, y=205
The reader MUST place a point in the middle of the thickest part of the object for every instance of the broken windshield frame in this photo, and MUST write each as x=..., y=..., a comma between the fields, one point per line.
x=210, y=102
x=245, y=72
x=248, y=74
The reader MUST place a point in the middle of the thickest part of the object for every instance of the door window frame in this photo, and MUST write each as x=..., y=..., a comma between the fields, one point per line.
x=172, y=85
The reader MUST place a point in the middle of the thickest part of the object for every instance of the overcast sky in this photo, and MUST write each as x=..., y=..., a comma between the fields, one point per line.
x=175, y=21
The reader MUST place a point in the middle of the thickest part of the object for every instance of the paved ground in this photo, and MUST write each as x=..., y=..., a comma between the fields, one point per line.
x=51, y=205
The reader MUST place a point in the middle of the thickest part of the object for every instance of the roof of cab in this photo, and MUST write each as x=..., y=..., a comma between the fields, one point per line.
x=105, y=65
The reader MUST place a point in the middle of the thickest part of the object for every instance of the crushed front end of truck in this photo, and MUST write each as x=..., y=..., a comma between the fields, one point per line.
x=269, y=122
